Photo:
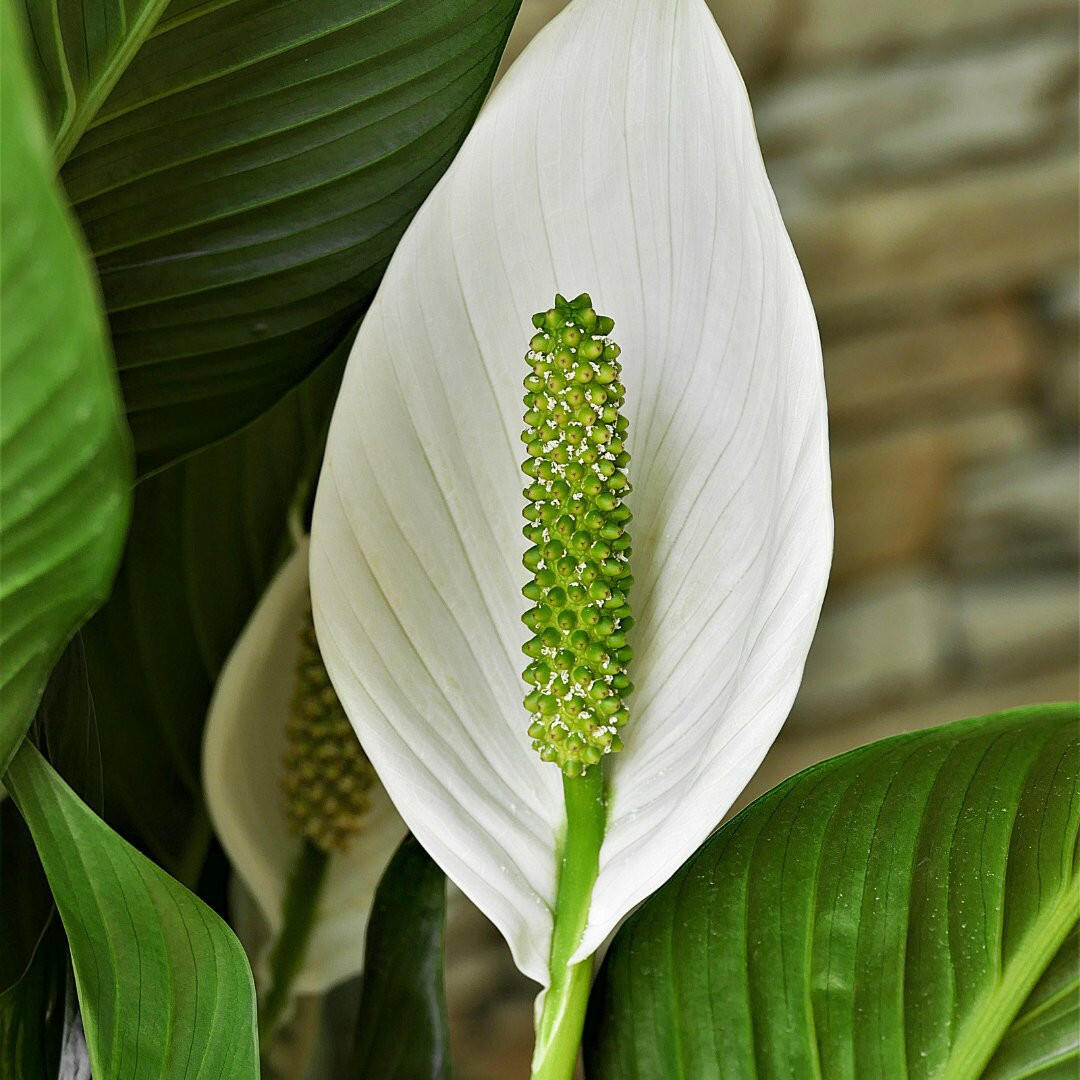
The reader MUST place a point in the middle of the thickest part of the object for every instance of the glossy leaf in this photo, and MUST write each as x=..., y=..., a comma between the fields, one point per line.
x=894, y=912
x=245, y=180
x=402, y=1031
x=165, y=988
x=64, y=487
x=1044, y=1039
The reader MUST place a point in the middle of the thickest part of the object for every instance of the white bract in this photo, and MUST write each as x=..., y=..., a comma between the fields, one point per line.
x=617, y=157
x=242, y=774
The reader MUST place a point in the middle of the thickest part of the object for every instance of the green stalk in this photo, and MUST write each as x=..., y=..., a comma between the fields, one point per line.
x=558, y=1031
x=301, y=905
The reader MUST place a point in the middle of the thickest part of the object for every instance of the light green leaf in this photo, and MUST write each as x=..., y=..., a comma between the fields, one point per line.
x=1043, y=1038
x=65, y=482
x=164, y=986
x=245, y=180
x=900, y=911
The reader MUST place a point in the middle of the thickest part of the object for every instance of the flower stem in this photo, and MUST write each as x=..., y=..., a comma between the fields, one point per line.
x=558, y=1029
x=301, y=903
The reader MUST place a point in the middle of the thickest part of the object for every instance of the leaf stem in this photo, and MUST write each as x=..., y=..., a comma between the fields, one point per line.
x=301, y=904
x=559, y=1026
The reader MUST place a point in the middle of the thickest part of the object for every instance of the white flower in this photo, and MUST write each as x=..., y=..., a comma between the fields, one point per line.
x=243, y=748
x=617, y=157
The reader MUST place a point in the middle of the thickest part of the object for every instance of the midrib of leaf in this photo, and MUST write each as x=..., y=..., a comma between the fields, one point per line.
x=80, y=118
x=980, y=1036
x=1071, y=990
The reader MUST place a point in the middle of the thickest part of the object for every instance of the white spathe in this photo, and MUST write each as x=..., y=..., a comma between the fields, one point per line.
x=617, y=157
x=242, y=772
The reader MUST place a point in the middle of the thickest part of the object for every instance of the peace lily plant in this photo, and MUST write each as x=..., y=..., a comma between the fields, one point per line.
x=569, y=540
x=618, y=155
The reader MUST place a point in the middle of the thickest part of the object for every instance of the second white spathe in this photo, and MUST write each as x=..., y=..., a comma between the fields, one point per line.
x=243, y=747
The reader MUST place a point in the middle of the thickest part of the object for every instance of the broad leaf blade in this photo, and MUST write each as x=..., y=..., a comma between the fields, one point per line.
x=32, y=1012
x=65, y=729
x=206, y=538
x=25, y=901
x=245, y=182
x=402, y=1031
x=64, y=486
x=884, y=914
x=164, y=985
x=82, y=49
x=1043, y=1038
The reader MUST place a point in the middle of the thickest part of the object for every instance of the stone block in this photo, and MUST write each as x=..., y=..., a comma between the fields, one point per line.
x=879, y=641
x=1062, y=389
x=929, y=246
x=1017, y=622
x=890, y=495
x=988, y=435
x=1060, y=307
x=832, y=29
x=921, y=112
x=1021, y=513
x=929, y=366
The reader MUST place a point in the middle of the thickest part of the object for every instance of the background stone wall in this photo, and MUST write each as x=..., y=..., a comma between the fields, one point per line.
x=924, y=156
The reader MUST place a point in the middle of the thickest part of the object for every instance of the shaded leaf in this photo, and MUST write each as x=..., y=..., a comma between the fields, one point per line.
x=888, y=913
x=402, y=1031
x=66, y=732
x=164, y=985
x=64, y=488
x=81, y=50
x=246, y=180
x=25, y=901
x=207, y=536
x=32, y=1012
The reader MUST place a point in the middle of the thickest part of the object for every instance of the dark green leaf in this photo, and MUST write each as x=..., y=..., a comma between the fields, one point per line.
x=889, y=913
x=206, y=537
x=244, y=183
x=25, y=901
x=66, y=731
x=81, y=50
x=65, y=484
x=402, y=1030
x=32, y=1012
x=164, y=986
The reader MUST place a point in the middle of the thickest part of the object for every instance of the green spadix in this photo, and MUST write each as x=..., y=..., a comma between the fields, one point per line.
x=576, y=521
x=327, y=777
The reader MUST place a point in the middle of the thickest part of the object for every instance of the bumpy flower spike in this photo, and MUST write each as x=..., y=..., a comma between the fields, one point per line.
x=327, y=777
x=576, y=522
